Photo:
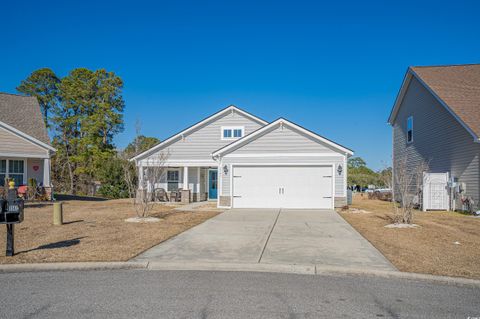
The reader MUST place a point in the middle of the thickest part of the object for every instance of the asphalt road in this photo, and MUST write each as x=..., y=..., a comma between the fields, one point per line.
x=194, y=294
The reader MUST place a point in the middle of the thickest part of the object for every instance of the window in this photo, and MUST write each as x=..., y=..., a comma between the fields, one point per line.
x=237, y=133
x=172, y=180
x=3, y=172
x=12, y=169
x=229, y=133
x=410, y=129
x=15, y=171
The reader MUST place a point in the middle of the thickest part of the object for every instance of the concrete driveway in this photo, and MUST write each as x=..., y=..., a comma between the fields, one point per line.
x=272, y=236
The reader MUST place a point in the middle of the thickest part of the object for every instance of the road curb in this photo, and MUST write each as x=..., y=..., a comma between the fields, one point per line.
x=248, y=267
x=325, y=270
x=300, y=269
x=311, y=269
x=67, y=266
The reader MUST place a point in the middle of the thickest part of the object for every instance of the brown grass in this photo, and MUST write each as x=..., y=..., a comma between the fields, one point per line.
x=93, y=231
x=429, y=249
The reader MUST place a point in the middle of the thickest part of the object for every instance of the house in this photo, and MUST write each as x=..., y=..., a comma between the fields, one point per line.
x=242, y=161
x=436, y=120
x=25, y=148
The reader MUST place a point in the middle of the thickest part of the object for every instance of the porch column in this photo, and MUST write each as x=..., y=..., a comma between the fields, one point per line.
x=46, y=172
x=140, y=176
x=185, y=177
x=186, y=188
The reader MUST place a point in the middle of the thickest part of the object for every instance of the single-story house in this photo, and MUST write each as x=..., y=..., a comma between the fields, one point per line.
x=242, y=161
x=436, y=120
x=25, y=148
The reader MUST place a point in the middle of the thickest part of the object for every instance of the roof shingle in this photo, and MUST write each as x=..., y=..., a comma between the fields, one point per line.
x=23, y=113
x=459, y=87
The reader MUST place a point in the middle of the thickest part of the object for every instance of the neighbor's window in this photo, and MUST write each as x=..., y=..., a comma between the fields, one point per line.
x=410, y=129
x=3, y=172
x=232, y=132
x=15, y=171
x=172, y=180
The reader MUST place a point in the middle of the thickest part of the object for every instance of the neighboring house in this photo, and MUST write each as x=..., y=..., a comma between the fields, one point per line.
x=25, y=148
x=436, y=119
x=241, y=161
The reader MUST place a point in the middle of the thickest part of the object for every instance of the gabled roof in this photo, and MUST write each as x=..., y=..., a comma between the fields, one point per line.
x=456, y=87
x=214, y=116
x=281, y=121
x=22, y=116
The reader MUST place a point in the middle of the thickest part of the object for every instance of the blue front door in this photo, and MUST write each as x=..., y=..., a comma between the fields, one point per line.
x=212, y=184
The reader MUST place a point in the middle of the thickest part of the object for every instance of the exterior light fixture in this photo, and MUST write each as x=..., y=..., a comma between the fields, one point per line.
x=339, y=169
x=225, y=169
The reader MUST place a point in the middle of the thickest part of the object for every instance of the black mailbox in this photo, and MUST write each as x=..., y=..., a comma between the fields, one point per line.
x=12, y=211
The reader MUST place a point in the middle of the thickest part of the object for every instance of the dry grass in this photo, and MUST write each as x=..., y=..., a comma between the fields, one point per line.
x=429, y=249
x=93, y=231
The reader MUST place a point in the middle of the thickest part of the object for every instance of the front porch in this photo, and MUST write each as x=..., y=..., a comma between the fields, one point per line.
x=26, y=171
x=189, y=183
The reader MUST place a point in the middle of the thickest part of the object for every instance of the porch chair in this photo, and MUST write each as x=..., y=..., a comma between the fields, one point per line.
x=160, y=195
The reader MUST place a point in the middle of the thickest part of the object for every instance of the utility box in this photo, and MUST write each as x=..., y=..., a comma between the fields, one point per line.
x=436, y=191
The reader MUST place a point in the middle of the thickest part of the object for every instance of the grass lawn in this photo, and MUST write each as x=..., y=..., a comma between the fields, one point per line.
x=94, y=231
x=429, y=249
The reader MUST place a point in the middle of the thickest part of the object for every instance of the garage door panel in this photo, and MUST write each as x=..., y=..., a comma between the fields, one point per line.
x=253, y=188
x=282, y=187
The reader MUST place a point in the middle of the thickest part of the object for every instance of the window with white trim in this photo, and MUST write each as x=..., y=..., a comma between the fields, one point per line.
x=16, y=171
x=230, y=133
x=12, y=169
x=410, y=129
x=173, y=177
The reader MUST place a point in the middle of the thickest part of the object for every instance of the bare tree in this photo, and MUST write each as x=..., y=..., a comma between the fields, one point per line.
x=385, y=176
x=142, y=177
x=130, y=175
x=407, y=188
x=149, y=175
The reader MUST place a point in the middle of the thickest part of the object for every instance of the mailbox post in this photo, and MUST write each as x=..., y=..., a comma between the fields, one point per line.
x=11, y=214
x=10, y=241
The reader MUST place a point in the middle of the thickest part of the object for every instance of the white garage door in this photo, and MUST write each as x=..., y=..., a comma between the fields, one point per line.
x=282, y=187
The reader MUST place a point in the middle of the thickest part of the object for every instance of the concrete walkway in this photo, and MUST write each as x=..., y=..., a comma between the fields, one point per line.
x=272, y=236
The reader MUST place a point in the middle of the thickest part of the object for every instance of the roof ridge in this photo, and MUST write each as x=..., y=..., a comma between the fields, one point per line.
x=443, y=65
x=16, y=94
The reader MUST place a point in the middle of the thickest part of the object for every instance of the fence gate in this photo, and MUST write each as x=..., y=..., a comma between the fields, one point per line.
x=435, y=191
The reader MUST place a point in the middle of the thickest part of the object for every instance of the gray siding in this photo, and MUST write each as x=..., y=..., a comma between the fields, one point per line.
x=202, y=142
x=281, y=139
x=14, y=145
x=438, y=138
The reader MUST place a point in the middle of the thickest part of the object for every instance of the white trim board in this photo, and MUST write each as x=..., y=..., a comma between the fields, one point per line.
x=25, y=155
x=281, y=121
x=178, y=164
x=231, y=108
x=233, y=155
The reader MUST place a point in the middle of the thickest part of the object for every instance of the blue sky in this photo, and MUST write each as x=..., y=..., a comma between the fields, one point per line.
x=334, y=67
